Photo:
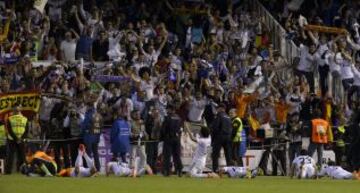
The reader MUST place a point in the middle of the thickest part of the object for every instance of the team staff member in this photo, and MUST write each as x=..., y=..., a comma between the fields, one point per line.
x=319, y=136
x=171, y=135
x=16, y=127
x=236, y=137
x=221, y=136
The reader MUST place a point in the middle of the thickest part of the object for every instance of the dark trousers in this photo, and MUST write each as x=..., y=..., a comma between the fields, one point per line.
x=339, y=154
x=172, y=148
x=319, y=148
x=218, y=143
x=294, y=150
x=280, y=158
x=324, y=74
x=2, y=151
x=92, y=151
x=61, y=147
x=353, y=90
x=74, y=146
x=11, y=149
x=152, y=154
x=236, y=154
x=309, y=78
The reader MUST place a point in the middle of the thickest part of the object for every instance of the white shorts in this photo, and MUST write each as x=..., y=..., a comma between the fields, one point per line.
x=83, y=172
x=120, y=170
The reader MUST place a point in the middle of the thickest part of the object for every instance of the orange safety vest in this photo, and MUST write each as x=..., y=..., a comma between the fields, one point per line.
x=320, y=130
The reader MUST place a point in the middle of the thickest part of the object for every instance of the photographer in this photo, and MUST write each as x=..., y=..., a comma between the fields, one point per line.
x=72, y=123
x=294, y=133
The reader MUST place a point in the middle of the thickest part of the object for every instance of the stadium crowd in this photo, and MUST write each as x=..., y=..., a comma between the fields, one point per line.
x=168, y=65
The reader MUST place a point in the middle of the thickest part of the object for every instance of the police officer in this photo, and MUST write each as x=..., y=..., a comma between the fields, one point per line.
x=91, y=130
x=17, y=126
x=236, y=137
x=221, y=136
x=170, y=135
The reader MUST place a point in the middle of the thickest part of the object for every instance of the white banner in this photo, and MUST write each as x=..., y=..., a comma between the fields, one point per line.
x=40, y=5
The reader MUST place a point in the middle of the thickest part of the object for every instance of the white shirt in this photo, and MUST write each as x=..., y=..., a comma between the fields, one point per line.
x=148, y=88
x=356, y=76
x=69, y=49
x=330, y=60
x=202, y=148
x=345, y=67
x=303, y=159
x=235, y=172
x=197, y=108
x=306, y=59
x=336, y=172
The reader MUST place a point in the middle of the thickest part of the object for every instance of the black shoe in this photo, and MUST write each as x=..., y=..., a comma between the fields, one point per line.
x=179, y=173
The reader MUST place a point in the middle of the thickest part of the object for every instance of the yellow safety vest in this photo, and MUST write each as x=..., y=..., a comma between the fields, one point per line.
x=2, y=135
x=340, y=142
x=18, y=124
x=237, y=137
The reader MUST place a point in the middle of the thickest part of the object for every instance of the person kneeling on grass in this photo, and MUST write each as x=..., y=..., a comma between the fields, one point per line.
x=122, y=169
x=303, y=166
x=79, y=170
x=39, y=164
x=201, y=152
x=335, y=172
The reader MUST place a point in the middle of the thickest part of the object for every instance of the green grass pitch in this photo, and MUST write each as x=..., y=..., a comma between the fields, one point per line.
x=159, y=184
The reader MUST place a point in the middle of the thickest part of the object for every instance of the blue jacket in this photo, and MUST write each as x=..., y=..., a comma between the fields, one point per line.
x=86, y=126
x=120, y=136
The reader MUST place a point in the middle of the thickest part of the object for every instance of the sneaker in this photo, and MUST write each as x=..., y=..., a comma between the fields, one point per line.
x=254, y=173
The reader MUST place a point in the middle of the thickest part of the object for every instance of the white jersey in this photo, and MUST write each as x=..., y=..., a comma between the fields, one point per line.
x=199, y=158
x=303, y=159
x=304, y=166
x=335, y=172
x=235, y=172
x=120, y=169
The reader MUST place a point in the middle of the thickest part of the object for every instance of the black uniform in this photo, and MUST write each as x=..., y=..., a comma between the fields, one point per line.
x=221, y=137
x=170, y=135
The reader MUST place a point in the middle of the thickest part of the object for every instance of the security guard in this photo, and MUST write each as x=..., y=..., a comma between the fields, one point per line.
x=236, y=137
x=221, y=136
x=16, y=127
x=171, y=135
x=339, y=136
x=2, y=141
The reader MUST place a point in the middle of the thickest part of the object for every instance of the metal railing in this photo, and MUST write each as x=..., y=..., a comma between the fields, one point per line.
x=289, y=50
x=286, y=47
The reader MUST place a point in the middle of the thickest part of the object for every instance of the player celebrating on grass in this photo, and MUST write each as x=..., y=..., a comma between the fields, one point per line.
x=122, y=169
x=39, y=164
x=303, y=166
x=335, y=172
x=199, y=160
x=79, y=170
x=238, y=172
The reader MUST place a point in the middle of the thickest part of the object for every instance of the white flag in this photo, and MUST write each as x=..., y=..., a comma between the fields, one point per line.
x=40, y=5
